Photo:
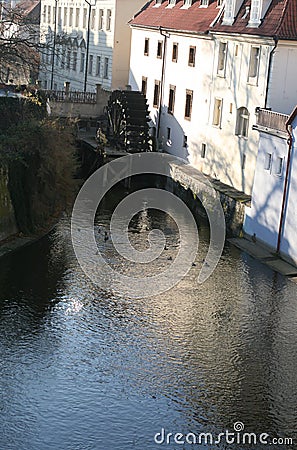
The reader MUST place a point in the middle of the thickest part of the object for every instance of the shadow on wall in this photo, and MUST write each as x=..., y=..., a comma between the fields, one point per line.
x=170, y=136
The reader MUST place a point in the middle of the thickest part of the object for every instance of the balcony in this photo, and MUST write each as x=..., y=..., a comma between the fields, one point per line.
x=71, y=96
x=271, y=121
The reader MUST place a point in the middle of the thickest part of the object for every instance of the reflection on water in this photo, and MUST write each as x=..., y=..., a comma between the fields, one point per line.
x=82, y=368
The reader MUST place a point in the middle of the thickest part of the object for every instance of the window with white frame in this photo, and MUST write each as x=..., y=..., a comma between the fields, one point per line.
x=93, y=17
x=65, y=17
x=192, y=56
x=101, y=17
x=222, y=57
x=91, y=59
x=188, y=104
x=171, y=99
x=203, y=150
x=63, y=58
x=174, y=52
x=204, y=2
x=57, y=59
x=106, y=67
x=85, y=17
x=82, y=62
x=146, y=46
x=217, y=112
x=49, y=14
x=77, y=17
x=156, y=94
x=68, y=59
x=278, y=166
x=74, y=65
x=70, y=17
x=144, y=85
x=254, y=63
x=98, y=66
x=159, y=49
x=108, y=20
x=242, y=122
x=267, y=161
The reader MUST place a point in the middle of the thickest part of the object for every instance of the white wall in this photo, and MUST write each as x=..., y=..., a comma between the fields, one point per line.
x=225, y=152
x=282, y=94
x=263, y=218
x=289, y=235
x=125, y=9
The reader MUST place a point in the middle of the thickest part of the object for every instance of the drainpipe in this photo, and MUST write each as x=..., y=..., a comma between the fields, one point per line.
x=270, y=69
x=284, y=201
x=165, y=35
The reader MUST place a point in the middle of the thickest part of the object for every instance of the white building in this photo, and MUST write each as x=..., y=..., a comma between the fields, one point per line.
x=205, y=66
x=272, y=216
x=88, y=42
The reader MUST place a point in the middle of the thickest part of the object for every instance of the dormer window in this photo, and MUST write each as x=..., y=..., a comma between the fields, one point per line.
x=187, y=3
x=219, y=3
x=258, y=11
x=204, y=3
x=231, y=10
x=158, y=2
x=172, y=2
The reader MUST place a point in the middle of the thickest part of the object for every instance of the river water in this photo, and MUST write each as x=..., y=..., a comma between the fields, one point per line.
x=83, y=368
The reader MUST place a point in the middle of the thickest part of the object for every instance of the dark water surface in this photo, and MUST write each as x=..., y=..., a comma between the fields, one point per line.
x=82, y=368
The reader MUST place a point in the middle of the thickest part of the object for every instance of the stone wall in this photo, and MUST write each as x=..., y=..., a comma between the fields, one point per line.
x=189, y=184
x=78, y=104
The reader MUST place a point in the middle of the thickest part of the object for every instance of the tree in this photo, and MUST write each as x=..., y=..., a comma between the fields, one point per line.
x=20, y=46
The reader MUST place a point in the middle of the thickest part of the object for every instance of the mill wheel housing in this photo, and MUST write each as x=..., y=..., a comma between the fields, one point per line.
x=128, y=118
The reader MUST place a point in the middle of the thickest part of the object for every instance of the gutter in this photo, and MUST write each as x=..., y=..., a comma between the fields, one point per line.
x=284, y=201
x=270, y=69
x=169, y=30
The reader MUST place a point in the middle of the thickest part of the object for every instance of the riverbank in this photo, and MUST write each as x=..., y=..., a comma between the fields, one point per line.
x=265, y=254
x=17, y=241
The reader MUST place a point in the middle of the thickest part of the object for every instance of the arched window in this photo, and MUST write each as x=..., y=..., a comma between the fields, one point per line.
x=242, y=122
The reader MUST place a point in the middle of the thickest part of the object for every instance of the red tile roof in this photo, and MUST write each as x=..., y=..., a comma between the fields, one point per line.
x=288, y=26
x=280, y=19
x=193, y=19
x=30, y=8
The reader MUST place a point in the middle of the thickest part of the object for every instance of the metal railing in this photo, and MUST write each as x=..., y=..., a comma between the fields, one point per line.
x=273, y=120
x=72, y=96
